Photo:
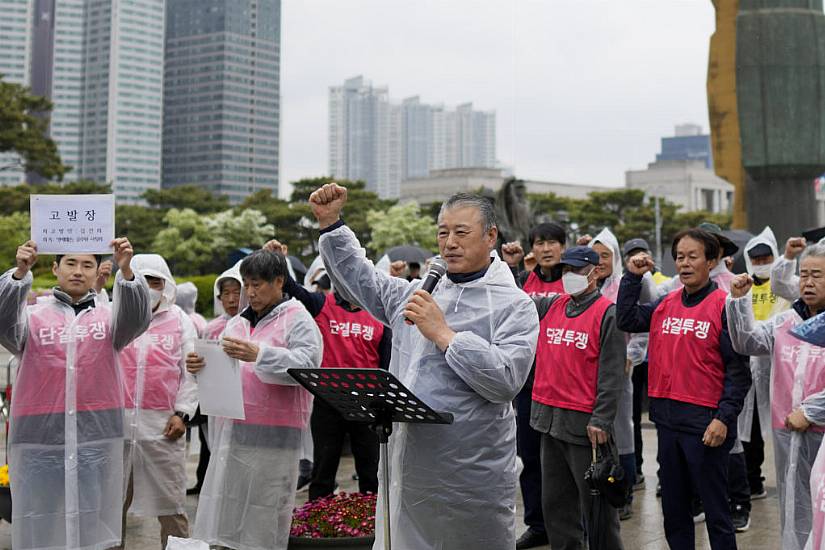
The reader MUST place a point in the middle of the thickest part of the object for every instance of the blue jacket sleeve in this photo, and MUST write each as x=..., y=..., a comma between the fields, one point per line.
x=631, y=316
x=737, y=378
x=313, y=301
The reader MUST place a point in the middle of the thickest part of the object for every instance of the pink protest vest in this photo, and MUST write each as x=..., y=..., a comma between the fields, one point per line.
x=567, y=356
x=158, y=352
x=270, y=404
x=790, y=386
x=350, y=338
x=199, y=322
x=215, y=327
x=536, y=287
x=685, y=360
x=55, y=334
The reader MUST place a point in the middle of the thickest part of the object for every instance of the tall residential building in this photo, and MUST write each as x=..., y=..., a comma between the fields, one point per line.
x=688, y=143
x=15, y=43
x=384, y=143
x=222, y=95
x=101, y=64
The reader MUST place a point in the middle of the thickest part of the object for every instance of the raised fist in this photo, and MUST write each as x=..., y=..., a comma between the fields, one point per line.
x=327, y=203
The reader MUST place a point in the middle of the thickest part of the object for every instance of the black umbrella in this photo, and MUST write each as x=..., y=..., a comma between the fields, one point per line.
x=408, y=253
x=297, y=266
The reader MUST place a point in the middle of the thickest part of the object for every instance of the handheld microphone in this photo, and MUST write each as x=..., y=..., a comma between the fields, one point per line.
x=438, y=267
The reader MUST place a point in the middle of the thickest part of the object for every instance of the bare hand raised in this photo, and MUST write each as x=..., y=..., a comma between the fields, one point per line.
x=640, y=263
x=275, y=245
x=26, y=258
x=512, y=253
x=740, y=285
x=327, y=203
x=123, y=256
x=794, y=247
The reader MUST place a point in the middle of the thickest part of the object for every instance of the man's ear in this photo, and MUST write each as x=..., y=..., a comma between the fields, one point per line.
x=713, y=263
x=492, y=235
x=54, y=269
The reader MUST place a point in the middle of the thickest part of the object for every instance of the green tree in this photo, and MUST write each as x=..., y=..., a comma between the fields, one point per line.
x=401, y=224
x=139, y=224
x=359, y=202
x=231, y=230
x=186, y=243
x=16, y=198
x=23, y=130
x=186, y=196
x=16, y=229
x=290, y=222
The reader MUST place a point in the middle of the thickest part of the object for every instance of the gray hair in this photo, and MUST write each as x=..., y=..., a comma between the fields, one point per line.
x=482, y=204
x=815, y=250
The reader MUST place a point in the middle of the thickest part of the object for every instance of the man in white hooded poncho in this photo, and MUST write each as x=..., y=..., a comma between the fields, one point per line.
x=797, y=387
x=755, y=419
x=469, y=353
x=247, y=499
x=66, y=439
x=160, y=396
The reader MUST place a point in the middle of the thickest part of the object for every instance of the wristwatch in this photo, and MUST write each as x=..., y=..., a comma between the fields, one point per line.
x=182, y=416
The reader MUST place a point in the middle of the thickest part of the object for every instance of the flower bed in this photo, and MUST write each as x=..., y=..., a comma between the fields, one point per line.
x=342, y=520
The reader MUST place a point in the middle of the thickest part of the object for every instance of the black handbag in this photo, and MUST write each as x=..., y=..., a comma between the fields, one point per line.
x=607, y=476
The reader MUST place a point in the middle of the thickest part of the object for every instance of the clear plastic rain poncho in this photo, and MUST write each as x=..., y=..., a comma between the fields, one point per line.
x=187, y=299
x=156, y=384
x=450, y=486
x=797, y=380
x=760, y=364
x=215, y=327
x=247, y=498
x=623, y=424
x=66, y=439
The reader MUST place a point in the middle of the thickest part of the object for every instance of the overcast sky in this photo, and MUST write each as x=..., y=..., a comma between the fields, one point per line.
x=583, y=89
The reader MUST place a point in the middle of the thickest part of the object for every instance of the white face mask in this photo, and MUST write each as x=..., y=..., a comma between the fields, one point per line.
x=154, y=297
x=574, y=284
x=762, y=271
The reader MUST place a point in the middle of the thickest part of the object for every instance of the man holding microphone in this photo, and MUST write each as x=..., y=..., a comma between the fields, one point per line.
x=468, y=352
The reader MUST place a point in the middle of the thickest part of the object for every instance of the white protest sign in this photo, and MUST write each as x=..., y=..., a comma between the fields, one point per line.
x=73, y=224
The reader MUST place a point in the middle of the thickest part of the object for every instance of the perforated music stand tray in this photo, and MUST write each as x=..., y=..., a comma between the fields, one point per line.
x=374, y=397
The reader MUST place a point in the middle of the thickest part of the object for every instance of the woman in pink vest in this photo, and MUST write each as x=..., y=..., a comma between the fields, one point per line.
x=247, y=499
x=227, y=301
x=66, y=439
x=580, y=362
x=697, y=386
x=797, y=392
x=160, y=395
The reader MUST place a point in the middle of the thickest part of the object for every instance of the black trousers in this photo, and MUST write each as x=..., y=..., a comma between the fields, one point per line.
x=639, y=380
x=755, y=455
x=528, y=444
x=686, y=463
x=328, y=431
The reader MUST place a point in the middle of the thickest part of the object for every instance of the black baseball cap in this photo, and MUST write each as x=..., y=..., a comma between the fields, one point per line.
x=579, y=256
x=760, y=251
x=635, y=244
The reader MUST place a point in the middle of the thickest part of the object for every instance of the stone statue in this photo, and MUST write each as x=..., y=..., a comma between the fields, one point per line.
x=515, y=216
x=780, y=92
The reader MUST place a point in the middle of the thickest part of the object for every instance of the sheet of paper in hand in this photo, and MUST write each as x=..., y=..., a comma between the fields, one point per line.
x=73, y=224
x=812, y=330
x=220, y=389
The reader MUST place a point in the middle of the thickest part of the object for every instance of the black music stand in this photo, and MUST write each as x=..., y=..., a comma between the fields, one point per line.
x=374, y=397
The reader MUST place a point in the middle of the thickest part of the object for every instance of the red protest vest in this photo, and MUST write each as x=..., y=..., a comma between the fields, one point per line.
x=350, y=338
x=567, y=356
x=685, y=360
x=536, y=287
